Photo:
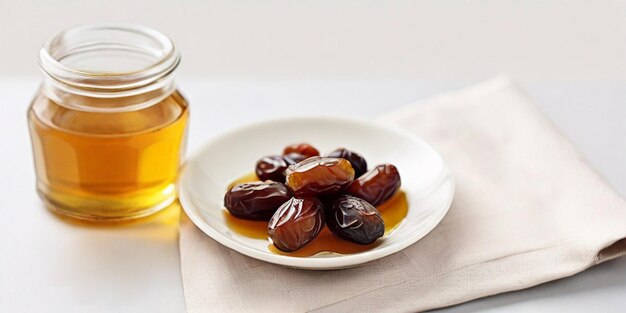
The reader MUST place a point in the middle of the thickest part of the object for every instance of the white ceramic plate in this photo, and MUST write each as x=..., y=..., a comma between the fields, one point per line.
x=425, y=180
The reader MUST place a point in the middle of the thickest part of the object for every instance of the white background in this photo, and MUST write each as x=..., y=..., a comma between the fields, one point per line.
x=530, y=40
x=252, y=60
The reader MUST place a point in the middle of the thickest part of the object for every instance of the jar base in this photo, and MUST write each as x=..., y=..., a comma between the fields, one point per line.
x=119, y=211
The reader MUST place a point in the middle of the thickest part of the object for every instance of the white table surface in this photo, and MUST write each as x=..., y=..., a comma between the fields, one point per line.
x=49, y=265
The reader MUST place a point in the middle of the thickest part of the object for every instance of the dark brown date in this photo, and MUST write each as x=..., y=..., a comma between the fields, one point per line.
x=301, y=148
x=358, y=162
x=355, y=220
x=293, y=158
x=377, y=185
x=296, y=223
x=272, y=168
x=256, y=200
x=318, y=176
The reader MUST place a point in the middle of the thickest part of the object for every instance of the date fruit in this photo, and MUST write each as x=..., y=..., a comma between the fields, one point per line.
x=318, y=176
x=358, y=162
x=377, y=185
x=293, y=158
x=301, y=148
x=296, y=223
x=272, y=168
x=256, y=200
x=355, y=220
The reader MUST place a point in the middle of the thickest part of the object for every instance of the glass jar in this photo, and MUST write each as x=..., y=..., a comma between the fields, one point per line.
x=108, y=125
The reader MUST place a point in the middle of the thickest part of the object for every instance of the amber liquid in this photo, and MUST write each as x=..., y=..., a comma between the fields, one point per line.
x=107, y=166
x=393, y=212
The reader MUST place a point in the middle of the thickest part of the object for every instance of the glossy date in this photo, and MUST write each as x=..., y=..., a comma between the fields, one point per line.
x=304, y=149
x=293, y=158
x=358, y=162
x=296, y=223
x=317, y=176
x=377, y=185
x=272, y=168
x=256, y=200
x=355, y=220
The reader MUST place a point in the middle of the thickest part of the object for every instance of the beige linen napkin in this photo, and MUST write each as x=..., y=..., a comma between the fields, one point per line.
x=527, y=210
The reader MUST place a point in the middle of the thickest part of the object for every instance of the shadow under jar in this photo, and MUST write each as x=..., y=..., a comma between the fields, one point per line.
x=107, y=125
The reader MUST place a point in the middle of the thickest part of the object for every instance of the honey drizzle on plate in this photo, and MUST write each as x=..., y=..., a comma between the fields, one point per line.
x=393, y=212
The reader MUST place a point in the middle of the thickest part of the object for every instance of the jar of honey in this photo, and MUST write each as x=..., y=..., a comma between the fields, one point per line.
x=107, y=124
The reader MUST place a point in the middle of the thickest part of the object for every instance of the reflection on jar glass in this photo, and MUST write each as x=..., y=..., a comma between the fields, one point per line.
x=107, y=124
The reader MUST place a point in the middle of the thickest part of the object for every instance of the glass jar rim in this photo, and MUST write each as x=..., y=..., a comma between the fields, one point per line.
x=69, y=42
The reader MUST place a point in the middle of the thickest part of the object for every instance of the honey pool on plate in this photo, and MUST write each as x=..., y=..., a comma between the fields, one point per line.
x=393, y=212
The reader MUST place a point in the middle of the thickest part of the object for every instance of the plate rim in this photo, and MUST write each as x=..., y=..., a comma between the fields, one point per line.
x=340, y=261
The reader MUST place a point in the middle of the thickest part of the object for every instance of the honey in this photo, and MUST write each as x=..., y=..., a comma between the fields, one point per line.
x=393, y=212
x=107, y=165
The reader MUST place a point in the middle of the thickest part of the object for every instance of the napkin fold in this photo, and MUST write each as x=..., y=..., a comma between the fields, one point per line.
x=527, y=210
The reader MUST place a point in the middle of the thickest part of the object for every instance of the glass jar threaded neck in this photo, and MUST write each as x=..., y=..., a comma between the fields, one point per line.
x=108, y=67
